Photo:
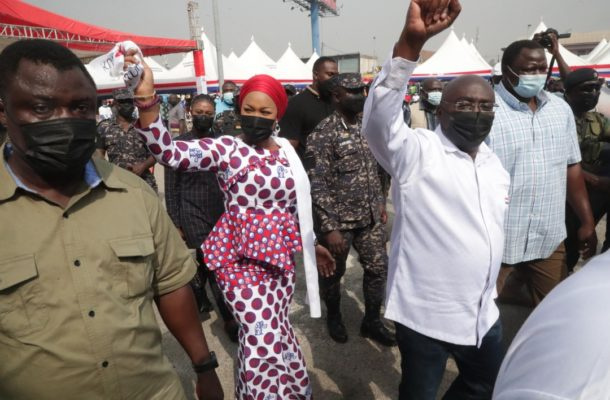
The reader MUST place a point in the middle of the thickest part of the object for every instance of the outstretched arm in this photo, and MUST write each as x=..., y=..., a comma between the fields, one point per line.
x=392, y=142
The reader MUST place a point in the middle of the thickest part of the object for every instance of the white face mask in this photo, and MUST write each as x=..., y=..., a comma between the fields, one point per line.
x=529, y=85
x=434, y=98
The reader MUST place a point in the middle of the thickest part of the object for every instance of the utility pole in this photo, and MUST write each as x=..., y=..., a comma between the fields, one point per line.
x=315, y=27
x=219, y=64
x=198, y=62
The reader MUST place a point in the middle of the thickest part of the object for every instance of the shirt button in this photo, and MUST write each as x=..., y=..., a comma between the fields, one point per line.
x=105, y=364
x=77, y=263
x=92, y=313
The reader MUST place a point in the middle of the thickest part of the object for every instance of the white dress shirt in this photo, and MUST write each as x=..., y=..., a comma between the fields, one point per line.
x=448, y=235
x=562, y=352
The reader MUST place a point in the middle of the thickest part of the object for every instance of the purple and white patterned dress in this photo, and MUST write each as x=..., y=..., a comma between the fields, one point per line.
x=251, y=251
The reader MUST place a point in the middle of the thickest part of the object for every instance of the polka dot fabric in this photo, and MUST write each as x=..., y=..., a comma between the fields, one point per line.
x=270, y=362
x=251, y=252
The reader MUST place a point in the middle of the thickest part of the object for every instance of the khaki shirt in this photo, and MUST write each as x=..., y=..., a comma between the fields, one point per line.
x=77, y=288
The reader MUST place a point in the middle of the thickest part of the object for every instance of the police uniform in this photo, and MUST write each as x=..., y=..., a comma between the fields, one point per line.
x=347, y=195
x=593, y=131
x=123, y=148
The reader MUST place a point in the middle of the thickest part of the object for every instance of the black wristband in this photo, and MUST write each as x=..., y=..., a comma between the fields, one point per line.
x=209, y=364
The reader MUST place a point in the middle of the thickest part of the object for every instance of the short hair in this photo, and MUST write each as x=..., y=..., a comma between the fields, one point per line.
x=40, y=51
x=203, y=98
x=514, y=49
x=229, y=83
x=320, y=61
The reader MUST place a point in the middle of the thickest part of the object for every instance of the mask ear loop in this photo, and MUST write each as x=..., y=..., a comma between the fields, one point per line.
x=276, y=130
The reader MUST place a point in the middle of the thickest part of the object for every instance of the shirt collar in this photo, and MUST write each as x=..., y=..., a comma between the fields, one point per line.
x=517, y=104
x=9, y=182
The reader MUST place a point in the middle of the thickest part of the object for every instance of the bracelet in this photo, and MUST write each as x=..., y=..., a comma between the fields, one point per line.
x=146, y=106
x=143, y=97
x=209, y=364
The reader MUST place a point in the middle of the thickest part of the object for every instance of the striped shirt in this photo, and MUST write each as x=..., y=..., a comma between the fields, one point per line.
x=535, y=148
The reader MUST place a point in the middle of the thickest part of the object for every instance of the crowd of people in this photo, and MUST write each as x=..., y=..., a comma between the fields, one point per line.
x=497, y=188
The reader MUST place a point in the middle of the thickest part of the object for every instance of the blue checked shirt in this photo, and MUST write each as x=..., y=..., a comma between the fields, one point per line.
x=536, y=149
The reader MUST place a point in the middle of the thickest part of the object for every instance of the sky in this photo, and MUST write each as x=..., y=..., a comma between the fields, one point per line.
x=367, y=26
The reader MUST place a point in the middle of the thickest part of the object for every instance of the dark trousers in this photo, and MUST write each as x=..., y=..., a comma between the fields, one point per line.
x=423, y=361
x=369, y=243
x=198, y=284
x=600, y=205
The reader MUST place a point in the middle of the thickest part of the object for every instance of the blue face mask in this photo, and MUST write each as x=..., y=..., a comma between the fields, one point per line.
x=228, y=97
x=434, y=98
x=529, y=85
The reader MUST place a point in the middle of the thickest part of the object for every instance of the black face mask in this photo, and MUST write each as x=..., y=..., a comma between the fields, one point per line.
x=202, y=123
x=587, y=102
x=467, y=130
x=256, y=129
x=125, y=110
x=58, y=147
x=325, y=88
x=352, y=104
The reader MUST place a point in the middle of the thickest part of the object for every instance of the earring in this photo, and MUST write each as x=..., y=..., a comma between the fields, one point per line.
x=276, y=130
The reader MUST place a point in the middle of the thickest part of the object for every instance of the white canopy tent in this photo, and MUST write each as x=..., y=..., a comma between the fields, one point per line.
x=453, y=58
x=290, y=68
x=596, y=50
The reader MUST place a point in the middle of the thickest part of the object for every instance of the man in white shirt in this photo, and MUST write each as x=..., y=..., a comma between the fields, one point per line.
x=562, y=351
x=450, y=193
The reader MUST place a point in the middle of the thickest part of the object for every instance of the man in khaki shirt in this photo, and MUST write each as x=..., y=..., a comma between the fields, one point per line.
x=86, y=248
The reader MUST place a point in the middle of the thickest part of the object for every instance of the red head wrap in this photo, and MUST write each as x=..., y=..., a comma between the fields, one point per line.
x=268, y=85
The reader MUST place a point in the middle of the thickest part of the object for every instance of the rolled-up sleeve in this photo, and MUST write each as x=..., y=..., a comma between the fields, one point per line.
x=392, y=142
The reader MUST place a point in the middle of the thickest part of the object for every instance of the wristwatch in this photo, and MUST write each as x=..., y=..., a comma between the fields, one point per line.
x=209, y=364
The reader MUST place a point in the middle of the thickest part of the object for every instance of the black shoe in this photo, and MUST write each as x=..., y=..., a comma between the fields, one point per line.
x=336, y=329
x=232, y=330
x=376, y=330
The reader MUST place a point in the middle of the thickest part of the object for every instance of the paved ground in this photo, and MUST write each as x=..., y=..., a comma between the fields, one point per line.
x=357, y=370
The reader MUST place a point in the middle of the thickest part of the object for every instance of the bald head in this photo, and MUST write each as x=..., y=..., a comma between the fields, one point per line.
x=469, y=87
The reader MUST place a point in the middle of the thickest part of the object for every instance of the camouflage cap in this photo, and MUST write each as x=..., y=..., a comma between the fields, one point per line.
x=122, y=94
x=579, y=76
x=349, y=80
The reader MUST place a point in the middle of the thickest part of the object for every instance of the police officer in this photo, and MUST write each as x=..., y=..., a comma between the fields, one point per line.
x=118, y=139
x=349, y=206
x=582, y=94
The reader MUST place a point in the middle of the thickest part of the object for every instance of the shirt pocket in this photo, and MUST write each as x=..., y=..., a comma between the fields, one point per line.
x=132, y=269
x=347, y=158
x=22, y=310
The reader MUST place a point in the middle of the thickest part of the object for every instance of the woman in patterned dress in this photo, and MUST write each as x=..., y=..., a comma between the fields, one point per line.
x=267, y=219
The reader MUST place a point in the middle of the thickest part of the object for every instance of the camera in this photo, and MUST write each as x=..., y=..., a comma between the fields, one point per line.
x=544, y=38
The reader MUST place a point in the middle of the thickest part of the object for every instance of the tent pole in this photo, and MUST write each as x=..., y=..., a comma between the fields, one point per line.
x=315, y=26
x=221, y=75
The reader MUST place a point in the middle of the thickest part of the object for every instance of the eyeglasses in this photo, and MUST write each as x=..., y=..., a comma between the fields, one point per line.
x=467, y=106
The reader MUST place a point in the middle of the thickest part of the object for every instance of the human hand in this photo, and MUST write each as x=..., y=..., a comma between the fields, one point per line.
x=425, y=19
x=336, y=243
x=208, y=386
x=587, y=241
x=383, y=214
x=137, y=169
x=146, y=87
x=325, y=261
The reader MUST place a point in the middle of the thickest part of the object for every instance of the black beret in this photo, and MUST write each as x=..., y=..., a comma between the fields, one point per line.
x=579, y=76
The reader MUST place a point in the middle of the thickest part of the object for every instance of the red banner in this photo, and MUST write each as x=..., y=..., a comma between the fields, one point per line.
x=198, y=63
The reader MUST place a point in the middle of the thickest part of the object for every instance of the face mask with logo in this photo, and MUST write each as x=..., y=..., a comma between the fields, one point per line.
x=467, y=130
x=529, y=85
x=352, y=104
x=228, y=97
x=256, y=129
x=58, y=147
x=434, y=98
x=202, y=123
